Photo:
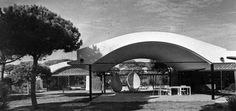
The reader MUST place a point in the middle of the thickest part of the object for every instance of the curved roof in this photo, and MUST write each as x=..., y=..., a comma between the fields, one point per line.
x=64, y=69
x=58, y=66
x=71, y=71
x=178, y=51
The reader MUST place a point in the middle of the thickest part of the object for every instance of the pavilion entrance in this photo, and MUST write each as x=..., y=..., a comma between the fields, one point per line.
x=155, y=82
x=137, y=76
x=155, y=77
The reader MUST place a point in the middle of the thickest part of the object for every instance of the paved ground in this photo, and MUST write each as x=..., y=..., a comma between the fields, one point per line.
x=78, y=101
x=148, y=97
x=140, y=97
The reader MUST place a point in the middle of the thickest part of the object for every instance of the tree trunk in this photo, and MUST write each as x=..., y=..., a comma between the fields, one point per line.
x=3, y=60
x=33, y=81
x=2, y=71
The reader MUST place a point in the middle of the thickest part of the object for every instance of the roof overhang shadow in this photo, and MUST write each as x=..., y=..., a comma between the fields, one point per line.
x=173, y=55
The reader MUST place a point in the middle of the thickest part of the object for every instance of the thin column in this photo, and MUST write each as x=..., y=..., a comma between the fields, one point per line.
x=90, y=82
x=101, y=78
x=153, y=83
x=170, y=74
x=212, y=83
x=58, y=84
x=179, y=78
x=68, y=82
x=235, y=80
x=104, y=83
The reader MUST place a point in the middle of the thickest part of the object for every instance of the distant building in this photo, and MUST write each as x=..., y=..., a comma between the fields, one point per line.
x=69, y=77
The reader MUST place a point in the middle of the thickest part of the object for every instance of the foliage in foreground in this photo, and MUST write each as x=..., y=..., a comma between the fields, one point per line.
x=21, y=75
x=22, y=72
x=232, y=102
x=36, y=31
x=4, y=92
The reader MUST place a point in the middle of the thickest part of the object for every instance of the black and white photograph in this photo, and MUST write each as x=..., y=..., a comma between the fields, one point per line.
x=117, y=55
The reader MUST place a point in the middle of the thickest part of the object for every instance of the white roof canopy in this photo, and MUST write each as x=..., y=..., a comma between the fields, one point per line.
x=178, y=51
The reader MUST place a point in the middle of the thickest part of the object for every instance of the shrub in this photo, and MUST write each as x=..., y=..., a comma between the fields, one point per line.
x=231, y=87
x=4, y=92
x=232, y=102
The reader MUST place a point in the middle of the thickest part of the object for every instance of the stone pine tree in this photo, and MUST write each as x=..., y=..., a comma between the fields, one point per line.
x=36, y=31
x=6, y=53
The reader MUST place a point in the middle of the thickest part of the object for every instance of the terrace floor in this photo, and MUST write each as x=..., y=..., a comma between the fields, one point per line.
x=149, y=97
x=78, y=101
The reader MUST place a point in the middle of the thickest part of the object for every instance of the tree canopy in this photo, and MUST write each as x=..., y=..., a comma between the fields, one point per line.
x=36, y=31
x=7, y=54
x=9, y=68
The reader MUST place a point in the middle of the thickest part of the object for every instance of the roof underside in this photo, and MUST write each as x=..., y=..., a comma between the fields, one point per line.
x=178, y=51
x=175, y=56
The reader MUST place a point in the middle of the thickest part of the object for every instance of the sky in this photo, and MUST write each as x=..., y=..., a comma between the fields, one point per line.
x=212, y=21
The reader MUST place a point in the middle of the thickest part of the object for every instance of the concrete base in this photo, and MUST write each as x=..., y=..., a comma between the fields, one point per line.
x=144, y=97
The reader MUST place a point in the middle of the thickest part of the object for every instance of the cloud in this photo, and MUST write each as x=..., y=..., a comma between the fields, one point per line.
x=178, y=6
x=105, y=22
x=223, y=35
x=96, y=5
x=175, y=11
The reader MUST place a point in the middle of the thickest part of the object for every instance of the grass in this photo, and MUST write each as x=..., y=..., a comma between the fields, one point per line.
x=80, y=102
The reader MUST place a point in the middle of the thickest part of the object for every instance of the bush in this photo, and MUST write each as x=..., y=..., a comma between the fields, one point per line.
x=232, y=102
x=231, y=87
x=4, y=92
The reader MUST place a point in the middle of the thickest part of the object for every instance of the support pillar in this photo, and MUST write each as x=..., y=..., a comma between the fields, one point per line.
x=104, y=83
x=68, y=81
x=101, y=78
x=170, y=76
x=235, y=80
x=212, y=83
x=153, y=78
x=179, y=78
x=90, y=82
x=58, y=84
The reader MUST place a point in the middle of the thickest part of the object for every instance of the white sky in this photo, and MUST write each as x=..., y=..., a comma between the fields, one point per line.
x=212, y=21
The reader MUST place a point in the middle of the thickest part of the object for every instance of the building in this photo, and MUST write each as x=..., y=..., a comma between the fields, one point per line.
x=184, y=54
